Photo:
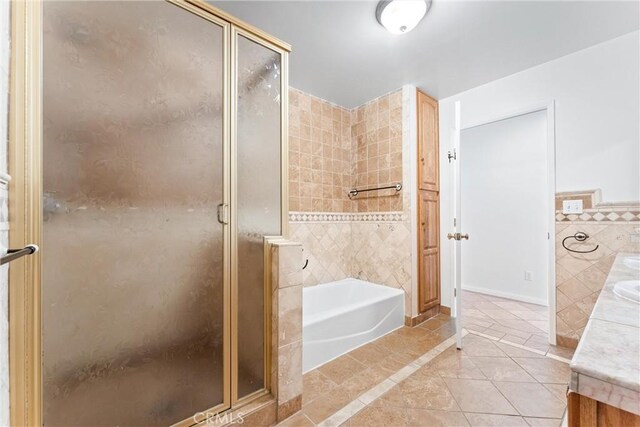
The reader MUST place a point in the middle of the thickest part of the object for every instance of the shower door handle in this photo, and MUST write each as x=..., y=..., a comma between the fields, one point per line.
x=223, y=216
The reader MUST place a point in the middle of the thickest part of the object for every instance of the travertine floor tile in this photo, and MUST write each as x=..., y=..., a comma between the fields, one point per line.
x=369, y=354
x=423, y=393
x=383, y=416
x=486, y=420
x=532, y=399
x=479, y=396
x=297, y=420
x=314, y=385
x=384, y=382
x=432, y=418
x=341, y=368
x=545, y=370
x=512, y=351
x=477, y=346
x=326, y=405
x=502, y=369
x=543, y=422
x=452, y=363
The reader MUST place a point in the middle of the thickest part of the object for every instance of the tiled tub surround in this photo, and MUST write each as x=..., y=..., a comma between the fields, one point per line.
x=606, y=365
x=416, y=377
x=376, y=132
x=580, y=277
x=320, y=155
x=370, y=240
x=375, y=248
x=333, y=149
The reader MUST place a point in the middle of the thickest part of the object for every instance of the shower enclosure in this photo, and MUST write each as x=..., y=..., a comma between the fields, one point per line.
x=151, y=171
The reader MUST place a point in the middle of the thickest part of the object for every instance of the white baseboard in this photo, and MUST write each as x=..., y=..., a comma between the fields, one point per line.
x=508, y=295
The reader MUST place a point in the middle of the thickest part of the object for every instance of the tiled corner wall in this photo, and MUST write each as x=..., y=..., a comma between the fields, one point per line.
x=4, y=214
x=370, y=237
x=333, y=149
x=320, y=155
x=377, y=143
x=580, y=277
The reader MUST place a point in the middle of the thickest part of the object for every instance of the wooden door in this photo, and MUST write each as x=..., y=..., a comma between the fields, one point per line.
x=429, y=250
x=428, y=143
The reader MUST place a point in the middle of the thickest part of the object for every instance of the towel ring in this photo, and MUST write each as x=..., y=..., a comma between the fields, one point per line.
x=580, y=237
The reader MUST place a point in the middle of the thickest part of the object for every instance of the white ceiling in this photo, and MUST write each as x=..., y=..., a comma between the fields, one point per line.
x=341, y=53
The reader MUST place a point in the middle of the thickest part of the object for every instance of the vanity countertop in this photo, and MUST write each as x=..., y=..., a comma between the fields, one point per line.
x=606, y=364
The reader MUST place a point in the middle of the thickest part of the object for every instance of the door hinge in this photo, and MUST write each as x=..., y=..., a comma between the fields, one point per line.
x=455, y=292
x=451, y=156
x=455, y=221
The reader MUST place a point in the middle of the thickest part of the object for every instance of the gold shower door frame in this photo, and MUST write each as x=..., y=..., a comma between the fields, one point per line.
x=25, y=159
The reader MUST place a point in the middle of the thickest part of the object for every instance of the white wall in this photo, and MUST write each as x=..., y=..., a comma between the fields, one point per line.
x=504, y=207
x=597, y=113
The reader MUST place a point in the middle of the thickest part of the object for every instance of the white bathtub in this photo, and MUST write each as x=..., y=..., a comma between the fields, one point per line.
x=340, y=316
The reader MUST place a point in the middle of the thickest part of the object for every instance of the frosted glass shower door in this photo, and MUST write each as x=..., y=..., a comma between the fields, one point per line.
x=258, y=168
x=134, y=280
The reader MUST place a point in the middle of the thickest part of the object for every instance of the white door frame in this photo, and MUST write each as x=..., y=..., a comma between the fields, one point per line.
x=549, y=107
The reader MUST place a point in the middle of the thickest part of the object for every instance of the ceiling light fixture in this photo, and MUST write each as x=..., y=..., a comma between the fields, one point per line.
x=401, y=16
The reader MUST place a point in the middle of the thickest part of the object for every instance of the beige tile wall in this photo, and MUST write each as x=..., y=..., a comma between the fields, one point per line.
x=376, y=248
x=580, y=277
x=377, y=134
x=320, y=154
x=333, y=149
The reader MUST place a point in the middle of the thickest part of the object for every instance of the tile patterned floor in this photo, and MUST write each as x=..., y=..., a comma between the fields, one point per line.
x=416, y=377
x=509, y=320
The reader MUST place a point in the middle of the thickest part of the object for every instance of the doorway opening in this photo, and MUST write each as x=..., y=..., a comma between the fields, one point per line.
x=505, y=199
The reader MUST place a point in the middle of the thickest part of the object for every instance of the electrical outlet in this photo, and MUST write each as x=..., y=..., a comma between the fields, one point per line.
x=572, y=207
x=528, y=276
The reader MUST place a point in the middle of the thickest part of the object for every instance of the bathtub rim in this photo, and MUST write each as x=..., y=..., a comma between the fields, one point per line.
x=392, y=293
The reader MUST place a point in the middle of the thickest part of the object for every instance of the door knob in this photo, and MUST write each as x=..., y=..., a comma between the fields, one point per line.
x=457, y=236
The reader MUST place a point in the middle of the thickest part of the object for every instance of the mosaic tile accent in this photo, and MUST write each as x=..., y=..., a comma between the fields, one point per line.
x=604, y=215
x=347, y=217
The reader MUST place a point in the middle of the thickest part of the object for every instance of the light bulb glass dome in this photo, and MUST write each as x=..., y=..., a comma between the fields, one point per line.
x=401, y=16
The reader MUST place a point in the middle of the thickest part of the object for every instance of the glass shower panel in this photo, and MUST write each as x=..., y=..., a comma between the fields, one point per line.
x=258, y=197
x=132, y=251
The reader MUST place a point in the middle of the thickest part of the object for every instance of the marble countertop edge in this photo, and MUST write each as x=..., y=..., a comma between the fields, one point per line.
x=606, y=363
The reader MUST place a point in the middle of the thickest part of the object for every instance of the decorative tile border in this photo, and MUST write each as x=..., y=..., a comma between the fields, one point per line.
x=347, y=217
x=603, y=214
x=595, y=210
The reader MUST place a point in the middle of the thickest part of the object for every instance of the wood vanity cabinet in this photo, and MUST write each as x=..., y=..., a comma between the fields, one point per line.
x=586, y=412
x=429, y=205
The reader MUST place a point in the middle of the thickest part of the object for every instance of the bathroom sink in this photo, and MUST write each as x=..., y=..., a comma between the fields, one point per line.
x=632, y=262
x=628, y=289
